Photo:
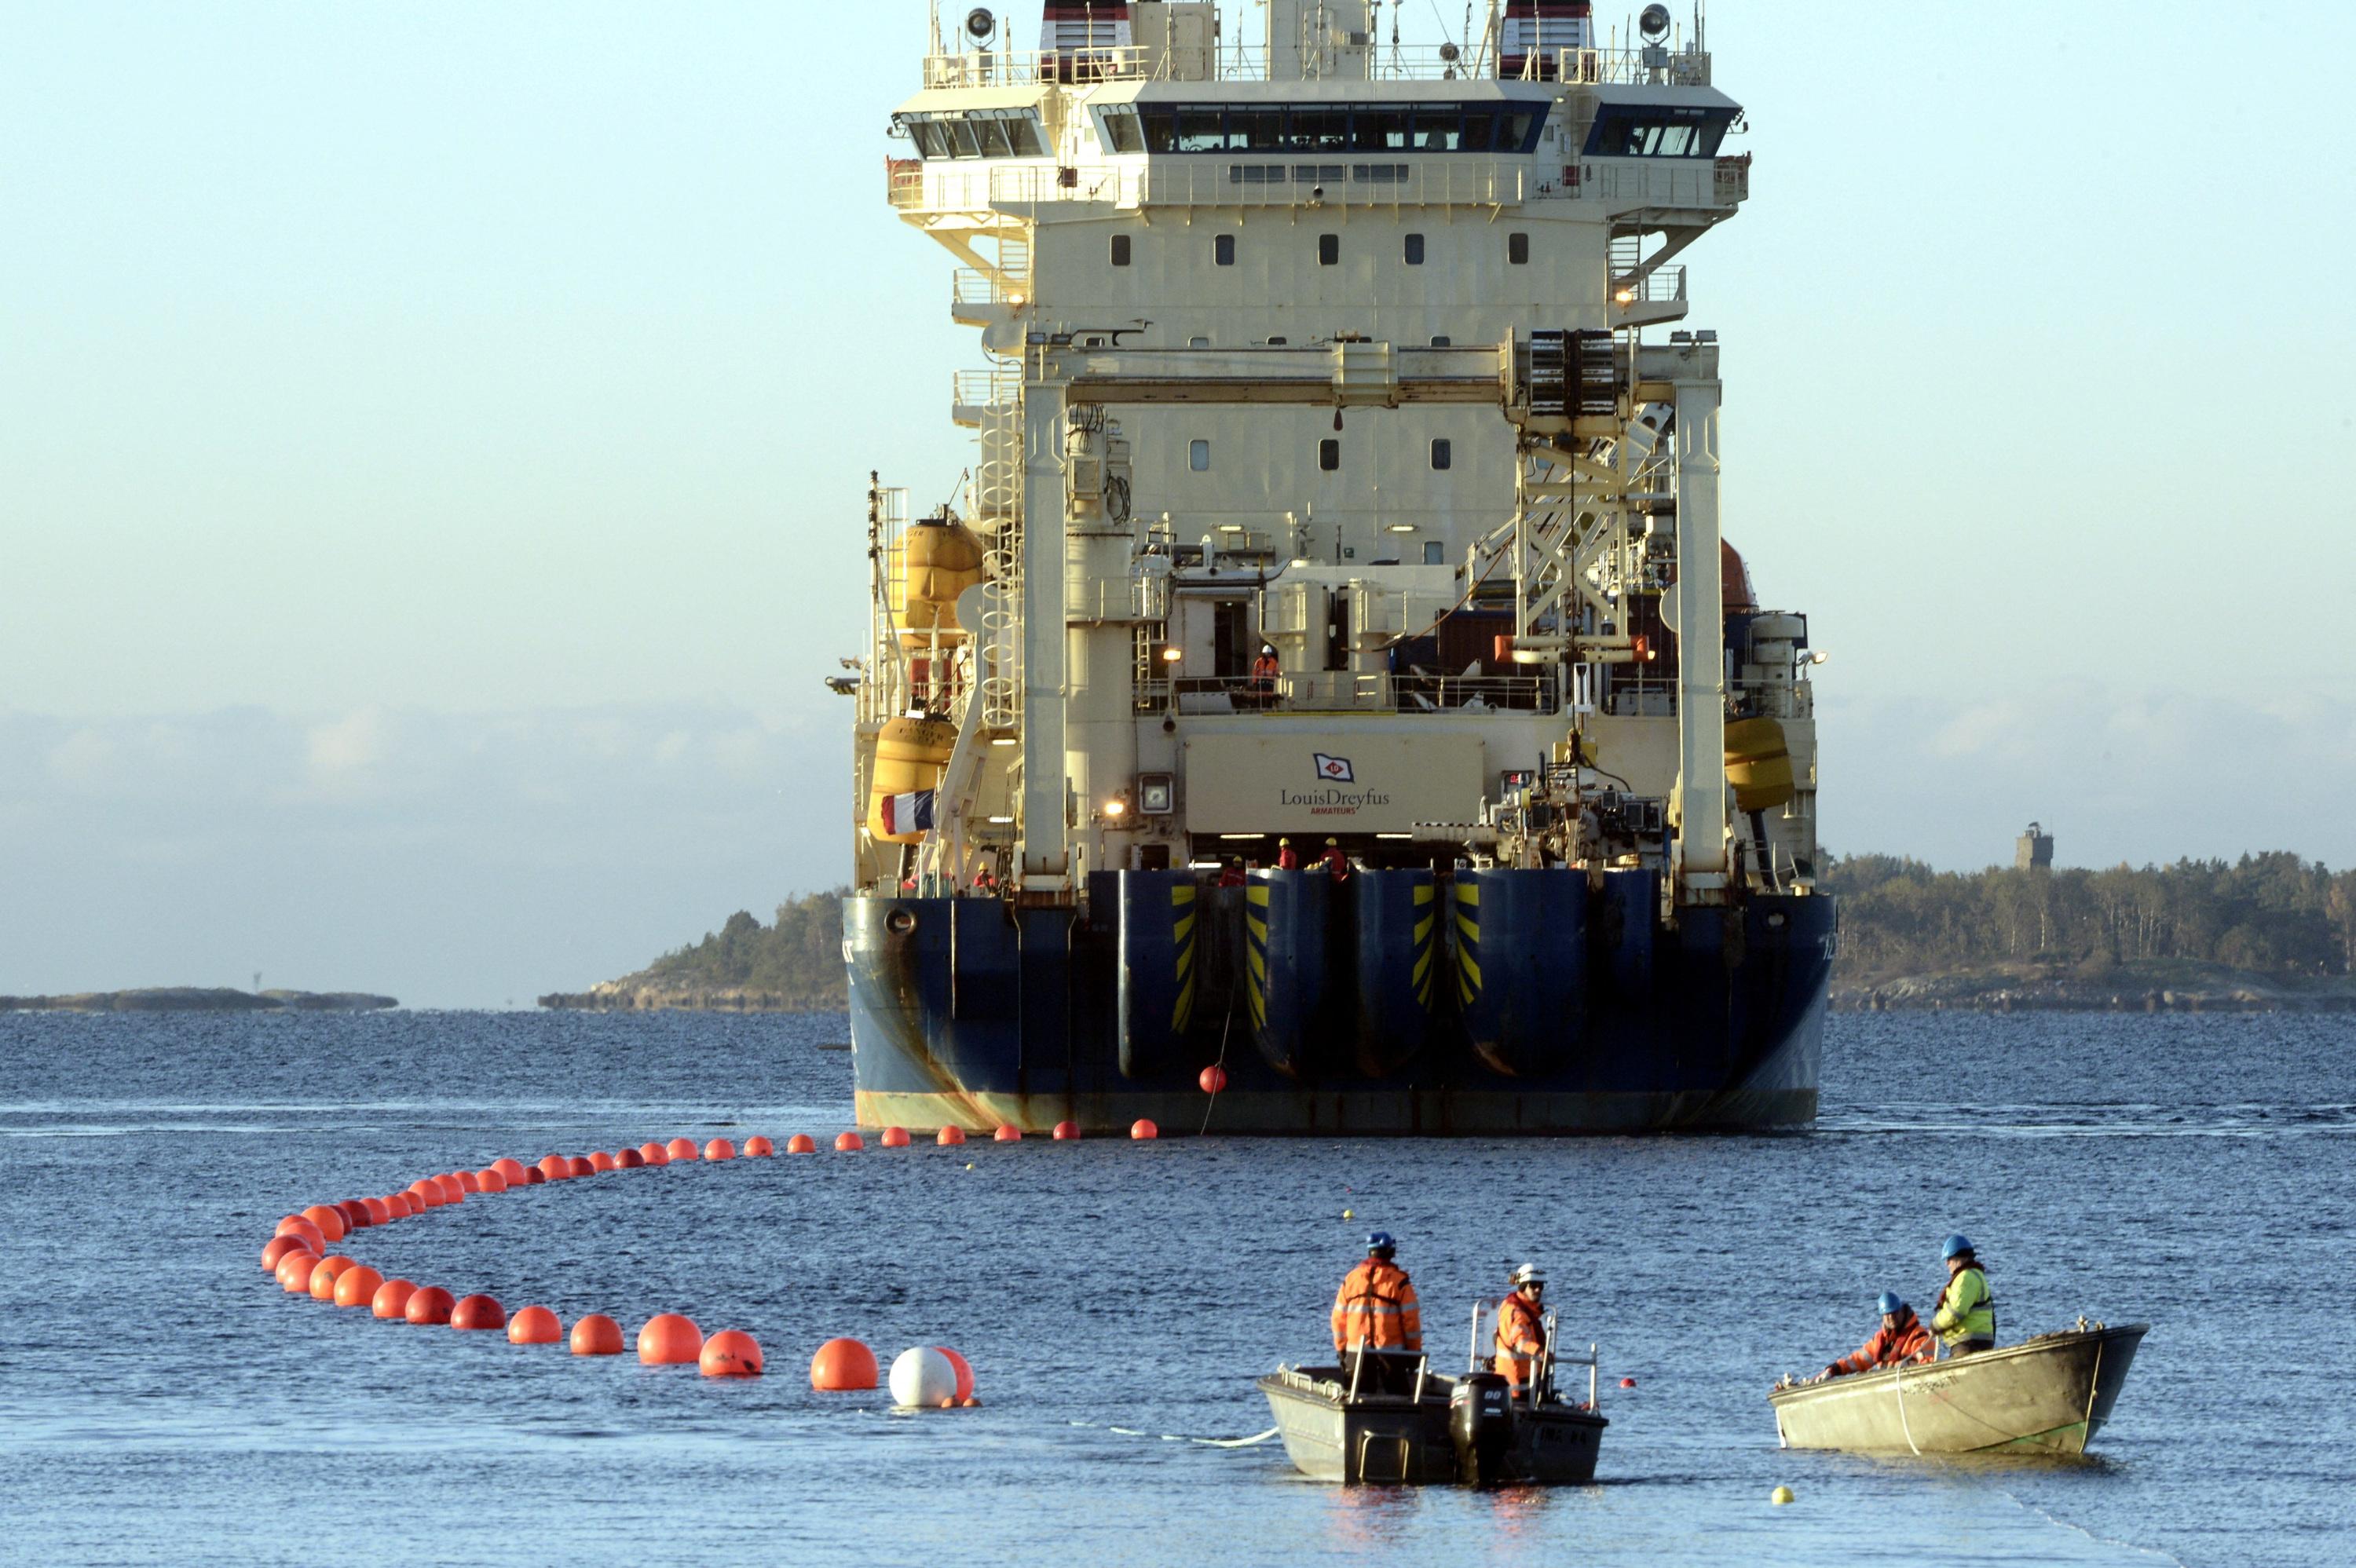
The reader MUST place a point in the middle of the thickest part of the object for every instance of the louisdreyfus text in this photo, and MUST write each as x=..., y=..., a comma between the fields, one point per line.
x=1335, y=802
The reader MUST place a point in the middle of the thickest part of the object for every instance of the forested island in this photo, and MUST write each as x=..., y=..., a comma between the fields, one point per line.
x=2265, y=932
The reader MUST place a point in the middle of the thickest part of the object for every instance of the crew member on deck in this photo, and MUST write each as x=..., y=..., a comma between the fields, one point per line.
x=1376, y=1306
x=1287, y=858
x=1521, y=1330
x=1901, y=1338
x=1336, y=864
x=1965, y=1315
x=1264, y=669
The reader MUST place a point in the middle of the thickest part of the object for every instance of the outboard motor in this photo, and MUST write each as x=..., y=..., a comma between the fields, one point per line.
x=1481, y=1425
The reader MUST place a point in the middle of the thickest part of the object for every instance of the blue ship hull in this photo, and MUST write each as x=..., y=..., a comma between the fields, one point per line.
x=1392, y=1004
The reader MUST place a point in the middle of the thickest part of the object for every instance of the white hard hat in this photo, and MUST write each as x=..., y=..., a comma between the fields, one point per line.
x=1529, y=1274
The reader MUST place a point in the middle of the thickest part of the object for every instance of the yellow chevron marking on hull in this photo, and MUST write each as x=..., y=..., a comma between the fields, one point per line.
x=1422, y=967
x=1468, y=892
x=1255, y=895
x=1182, y=895
x=1469, y=931
x=1423, y=931
x=1423, y=893
x=1258, y=927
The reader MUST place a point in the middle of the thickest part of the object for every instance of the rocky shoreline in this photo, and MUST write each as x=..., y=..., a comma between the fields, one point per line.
x=200, y=999
x=2146, y=988
x=635, y=997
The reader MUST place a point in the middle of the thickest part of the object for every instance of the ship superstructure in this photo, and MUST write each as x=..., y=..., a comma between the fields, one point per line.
x=1345, y=492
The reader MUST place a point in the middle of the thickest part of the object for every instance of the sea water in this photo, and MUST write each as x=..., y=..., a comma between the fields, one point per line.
x=162, y=1399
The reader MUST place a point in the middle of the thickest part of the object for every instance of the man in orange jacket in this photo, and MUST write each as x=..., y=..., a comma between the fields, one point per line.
x=1521, y=1330
x=1901, y=1338
x=1376, y=1306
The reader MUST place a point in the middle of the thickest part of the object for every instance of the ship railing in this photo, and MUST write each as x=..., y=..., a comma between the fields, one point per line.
x=1655, y=65
x=1338, y=180
x=1341, y=691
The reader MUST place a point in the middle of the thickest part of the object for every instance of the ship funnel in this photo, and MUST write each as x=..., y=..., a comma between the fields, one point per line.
x=1077, y=26
x=1536, y=29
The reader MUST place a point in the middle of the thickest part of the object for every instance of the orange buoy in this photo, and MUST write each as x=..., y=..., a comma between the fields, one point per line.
x=478, y=1312
x=1144, y=1128
x=429, y=1305
x=681, y=1149
x=330, y=1221
x=509, y=1166
x=895, y=1138
x=1627, y=1382
x=1066, y=1132
x=391, y=1298
x=451, y=1187
x=601, y=1162
x=356, y=1215
x=294, y=1271
x=295, y=1225
x=947, y=1135
x=597, y=1335
x=758, y=1148
x=653, y=1154
x=971, y=1402
x=801, y=1142
x=323, y=1275
x=278, y=1247
x=489, y=1180
x=400, y=1205
x=429, y=1193
x=1212, y=1079
x=849, y=1142
x=720, y=1148
x=534, y=1326
x=668, y=1340
x=468, y=1181
x=629, y=1159
x=731, y=1353
x=1007, y=1133
x=964, y=1372
x=358, y=1286
x=580, y=1167
x=843, y=1366
x=556, y=1167
x=380, y=1211
x=534, y=1176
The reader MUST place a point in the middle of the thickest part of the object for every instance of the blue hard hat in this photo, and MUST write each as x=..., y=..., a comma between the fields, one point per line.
x=1957, y=1244
x=1379, y=1239
x=1888, y=1304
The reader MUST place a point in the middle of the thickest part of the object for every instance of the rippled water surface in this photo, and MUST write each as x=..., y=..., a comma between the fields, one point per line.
x=162, y=1400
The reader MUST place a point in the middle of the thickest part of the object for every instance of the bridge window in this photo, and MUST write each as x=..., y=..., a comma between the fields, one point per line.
x=1329, y=250
x=1322, y=127
x=1415, y=249
x=1198, y=456
x=1223, y=250
x=1120, y=250
x=1329, y=454
x=979, y=134
x=1443, y=454
x=1431, y=553
x=1517, y=250
x=1657, y=130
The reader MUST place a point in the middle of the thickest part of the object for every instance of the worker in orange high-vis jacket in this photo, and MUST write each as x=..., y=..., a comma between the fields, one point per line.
x=1376, y=1306
x=1901, y=1338
x=1521, y=1330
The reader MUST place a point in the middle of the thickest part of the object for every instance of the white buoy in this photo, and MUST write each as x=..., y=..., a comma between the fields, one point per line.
x=923, y=1378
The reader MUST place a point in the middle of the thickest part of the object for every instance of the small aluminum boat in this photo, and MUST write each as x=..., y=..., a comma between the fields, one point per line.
x=1387, y=1417
x=2048, y=1396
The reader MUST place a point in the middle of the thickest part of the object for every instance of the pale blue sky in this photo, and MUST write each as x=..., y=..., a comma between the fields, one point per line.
x=432, y=442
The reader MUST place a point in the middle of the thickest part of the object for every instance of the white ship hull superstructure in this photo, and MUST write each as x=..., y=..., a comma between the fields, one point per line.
x=1346, y=491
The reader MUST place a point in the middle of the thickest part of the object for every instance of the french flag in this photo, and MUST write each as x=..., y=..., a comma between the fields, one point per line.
x=1540, y=27
x=908, y=812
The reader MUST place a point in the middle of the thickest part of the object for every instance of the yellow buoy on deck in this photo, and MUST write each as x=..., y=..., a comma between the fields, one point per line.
x=909, y=756
x=1758, y=763
x=934, y=563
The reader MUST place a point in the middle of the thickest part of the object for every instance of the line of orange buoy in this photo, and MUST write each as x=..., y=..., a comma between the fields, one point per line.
x=298, y=1257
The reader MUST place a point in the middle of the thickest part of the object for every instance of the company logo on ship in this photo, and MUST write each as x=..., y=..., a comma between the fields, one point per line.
x=1327, y=799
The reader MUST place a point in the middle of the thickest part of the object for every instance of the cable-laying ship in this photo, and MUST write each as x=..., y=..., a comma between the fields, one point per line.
x=1342, y=480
